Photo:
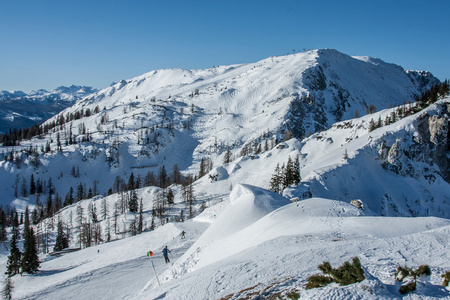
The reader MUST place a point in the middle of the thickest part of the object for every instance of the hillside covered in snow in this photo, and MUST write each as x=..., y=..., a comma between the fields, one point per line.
x=127, y=169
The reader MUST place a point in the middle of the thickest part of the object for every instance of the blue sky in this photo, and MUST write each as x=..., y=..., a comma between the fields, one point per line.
x=46, y=44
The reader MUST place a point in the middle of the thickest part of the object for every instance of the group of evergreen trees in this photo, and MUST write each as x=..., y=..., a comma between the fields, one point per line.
x=28, y=260
x=288, y=174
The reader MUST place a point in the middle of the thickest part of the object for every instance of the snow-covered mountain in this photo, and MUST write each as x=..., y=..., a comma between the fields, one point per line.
x=20, y=110
x=175, y=116
x=246, y=241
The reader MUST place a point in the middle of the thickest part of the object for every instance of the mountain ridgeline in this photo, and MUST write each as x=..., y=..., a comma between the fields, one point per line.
x=20, y=110
x=190, y=120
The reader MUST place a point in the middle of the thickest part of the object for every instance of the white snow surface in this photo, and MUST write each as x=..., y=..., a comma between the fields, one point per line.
x=272, y=247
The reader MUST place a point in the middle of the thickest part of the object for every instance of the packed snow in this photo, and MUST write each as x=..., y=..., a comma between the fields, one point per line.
x=272, y=246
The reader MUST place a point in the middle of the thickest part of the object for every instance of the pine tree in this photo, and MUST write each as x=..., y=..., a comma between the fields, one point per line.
x=26, y=223
x=13, y=263
x=131, y=182
x=23, y=188
x=62, y=241
x=275, y=181
x=202, y=171
x=30, y=259
x=133, y=204
x=170, y=196
x=296, y=178
x=288, y=173
x=371, y=125
x=227, y=156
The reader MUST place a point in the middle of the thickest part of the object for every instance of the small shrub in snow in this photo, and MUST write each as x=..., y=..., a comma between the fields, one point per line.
x=446, y=277
x=409, y=287
x=317, y=281
x=346, y=274
x=293, y=295
x=407, y=272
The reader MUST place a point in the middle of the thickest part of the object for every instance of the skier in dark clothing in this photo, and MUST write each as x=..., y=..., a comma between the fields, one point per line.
x=166, y=252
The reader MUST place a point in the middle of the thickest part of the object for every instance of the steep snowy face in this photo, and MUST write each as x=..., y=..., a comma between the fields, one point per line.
x=340, y=87
x=397, y=169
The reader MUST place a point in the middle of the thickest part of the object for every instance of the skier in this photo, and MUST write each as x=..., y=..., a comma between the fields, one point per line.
x=183, y=234
x=166, y=252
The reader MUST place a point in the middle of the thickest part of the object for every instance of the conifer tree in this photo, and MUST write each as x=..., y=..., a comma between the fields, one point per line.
x=133, y=204
x=227, y=156
x=170, y=196
x=30, y=259
x=13, y=263
x=275, y=181
x=131, y=182
x=62, y=241
x=26, y=223
x=296, y=178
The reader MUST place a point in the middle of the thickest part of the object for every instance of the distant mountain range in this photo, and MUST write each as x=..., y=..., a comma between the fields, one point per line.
x=20, y=110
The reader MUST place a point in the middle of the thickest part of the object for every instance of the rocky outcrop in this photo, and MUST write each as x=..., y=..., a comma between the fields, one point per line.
x=429, y=144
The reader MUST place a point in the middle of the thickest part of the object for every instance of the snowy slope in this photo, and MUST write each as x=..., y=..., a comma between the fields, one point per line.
x=274, y=250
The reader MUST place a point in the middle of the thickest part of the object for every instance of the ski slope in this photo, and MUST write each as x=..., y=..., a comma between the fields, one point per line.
x=273, y=247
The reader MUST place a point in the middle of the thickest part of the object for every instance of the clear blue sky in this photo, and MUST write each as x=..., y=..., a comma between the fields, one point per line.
x=45, y=44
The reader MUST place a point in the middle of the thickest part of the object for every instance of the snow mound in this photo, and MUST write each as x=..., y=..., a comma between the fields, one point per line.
x=247, y=205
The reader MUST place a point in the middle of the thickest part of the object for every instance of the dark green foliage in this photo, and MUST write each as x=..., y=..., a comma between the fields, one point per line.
x=13, y=263
x=446, y=277
x=285, y=176
x=133, y=204
x=227, y=156
x=62, y=241
x=409, y=287
x=317, y=281
x=293, y=295
x=404, y=272
x=423, y=270
x=30, y=258
x=346, y=274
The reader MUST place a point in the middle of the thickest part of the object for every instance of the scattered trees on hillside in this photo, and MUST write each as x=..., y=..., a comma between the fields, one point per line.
x=408, y=109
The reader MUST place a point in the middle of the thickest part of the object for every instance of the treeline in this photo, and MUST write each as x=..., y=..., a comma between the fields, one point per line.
x=15, y=136
x=423, y=101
